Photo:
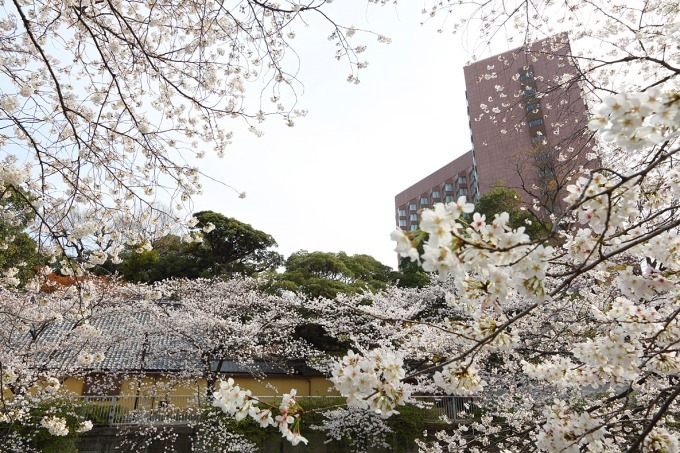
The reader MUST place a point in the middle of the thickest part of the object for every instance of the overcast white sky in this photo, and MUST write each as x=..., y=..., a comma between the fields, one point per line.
x=329, y=183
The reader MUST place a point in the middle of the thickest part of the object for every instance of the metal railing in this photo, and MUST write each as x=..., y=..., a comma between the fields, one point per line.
x=142, y=409
x=180, y=410
x=447, y=408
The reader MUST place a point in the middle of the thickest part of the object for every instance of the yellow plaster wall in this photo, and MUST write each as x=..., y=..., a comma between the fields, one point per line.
x=305, y=386
x=321, y=387
x=159, y=385
x=162, y=385
x=74, y=385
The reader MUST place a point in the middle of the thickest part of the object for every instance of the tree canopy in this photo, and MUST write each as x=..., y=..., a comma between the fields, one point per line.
x=230, y=246
x=105, y=106
x=502, y=199
x=220, y=246
x=327, y=274
x=19, y=256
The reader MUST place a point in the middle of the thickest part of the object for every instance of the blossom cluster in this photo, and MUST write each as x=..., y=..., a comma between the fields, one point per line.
x=636, y=120
x=55, y=425
x=84, y=426
x=52, y=385
x=505, y=258
x=603, y=202
x=616, y=355
x=459, y=379
x=87, y=358
x=567, y=430
x=660, y=440
x=372, y=381
x=239, y=403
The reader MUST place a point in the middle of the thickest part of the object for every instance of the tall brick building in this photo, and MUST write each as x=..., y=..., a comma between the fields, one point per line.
x=527, y=122
x=447, y=184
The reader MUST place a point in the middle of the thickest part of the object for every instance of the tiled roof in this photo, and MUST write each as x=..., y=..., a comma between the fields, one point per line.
x=135, y=341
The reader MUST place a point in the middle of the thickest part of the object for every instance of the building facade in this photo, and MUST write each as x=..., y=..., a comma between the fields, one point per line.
x=452, y=181
x=527, y=121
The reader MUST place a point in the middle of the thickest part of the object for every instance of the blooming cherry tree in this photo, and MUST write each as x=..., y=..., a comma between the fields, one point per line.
x=569, y=341
x=111, y=330
x=106, y=104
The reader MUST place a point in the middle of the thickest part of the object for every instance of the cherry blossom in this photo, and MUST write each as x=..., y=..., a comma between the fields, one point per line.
x=102, y=115
x=566, y=342
x=55, y=425
x=373, y=382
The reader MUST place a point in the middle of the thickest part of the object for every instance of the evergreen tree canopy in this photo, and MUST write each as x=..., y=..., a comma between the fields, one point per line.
x=228, y=247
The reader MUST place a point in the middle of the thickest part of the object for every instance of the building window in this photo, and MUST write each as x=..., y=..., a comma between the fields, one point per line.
x=462, y=180
x=448, y=187
x=538, y=140
x=448, y=199
x=536, y=122
x=423, y=200
x=413, y=227
x=402, y=222
x=402, y=213
x=412, y=207
x=414, y=217
x=529, y=92
x=462, y=192
x=545, y=173
x=526, y=75
x=534, y=106
x=435, y=194
x=545, y=155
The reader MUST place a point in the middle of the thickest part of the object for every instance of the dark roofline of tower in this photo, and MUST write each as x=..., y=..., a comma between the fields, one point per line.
x=452, y=168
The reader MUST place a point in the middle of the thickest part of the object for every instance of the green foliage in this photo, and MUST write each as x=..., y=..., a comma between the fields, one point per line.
x=327, y=274
x=410, y=274
x=176, y=259
x=139, y=267
x=19, y=249
x=100, y=414
x=21, y=253
x=47, y=443
x=368, y=270
x=314, y=411
x=232, y=247
x=502, y=199
x=408, y=425
x=170, y=258
x=324, y=265
x=37, y=437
